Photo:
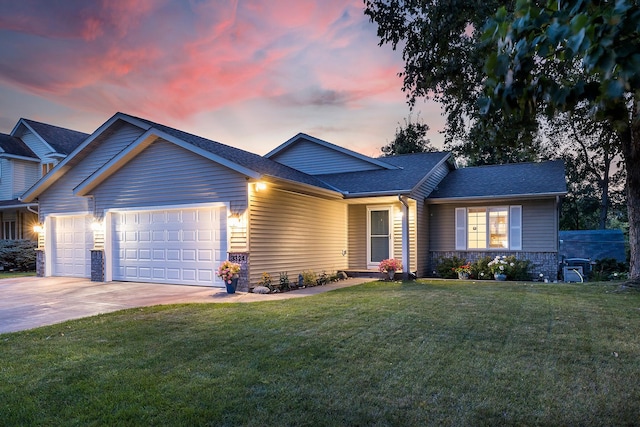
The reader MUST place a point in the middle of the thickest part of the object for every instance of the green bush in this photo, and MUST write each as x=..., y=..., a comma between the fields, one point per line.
x=18, y=255
x=309, y=278
x=480, y=269
x=446, y=265
x=608, y=269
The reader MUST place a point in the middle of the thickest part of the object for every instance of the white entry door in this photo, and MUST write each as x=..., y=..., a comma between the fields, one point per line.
x=72, y=240
x=172, y=246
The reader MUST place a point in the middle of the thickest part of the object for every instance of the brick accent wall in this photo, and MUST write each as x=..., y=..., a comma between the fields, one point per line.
x=541, y=262
x=40, y=268
x=97, y=265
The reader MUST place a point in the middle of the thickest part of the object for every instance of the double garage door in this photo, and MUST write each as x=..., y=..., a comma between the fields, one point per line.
x=174, y=246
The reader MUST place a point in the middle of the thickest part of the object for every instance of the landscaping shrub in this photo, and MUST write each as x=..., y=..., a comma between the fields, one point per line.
x=608, y=269
x=18, y=255
x=308, y=278
x=445, y=267
x=480, y=269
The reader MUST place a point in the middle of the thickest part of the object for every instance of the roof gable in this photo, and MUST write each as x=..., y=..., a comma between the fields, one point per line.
x=507, y=181
x=10, y=146
x=317, y=157
x=58, y=140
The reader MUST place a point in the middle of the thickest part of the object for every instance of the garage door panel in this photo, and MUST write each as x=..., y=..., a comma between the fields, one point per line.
x=174, y=246
x=72, y=240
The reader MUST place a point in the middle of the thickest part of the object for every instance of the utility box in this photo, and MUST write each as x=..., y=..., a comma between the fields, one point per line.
x=573, y=274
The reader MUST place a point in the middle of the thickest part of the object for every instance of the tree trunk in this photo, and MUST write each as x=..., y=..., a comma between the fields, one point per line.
x=631, y=153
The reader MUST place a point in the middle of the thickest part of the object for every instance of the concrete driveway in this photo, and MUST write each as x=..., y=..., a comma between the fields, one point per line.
x=29, y=302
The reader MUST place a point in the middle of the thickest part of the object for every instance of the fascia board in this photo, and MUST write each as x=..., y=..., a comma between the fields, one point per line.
x=444, y=160
x=437, y=201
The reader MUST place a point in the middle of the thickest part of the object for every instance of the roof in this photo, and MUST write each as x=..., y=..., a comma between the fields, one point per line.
x=410, y=170
x=62, y=140
x=507, y=180
x=240, y=157
x=14, y=146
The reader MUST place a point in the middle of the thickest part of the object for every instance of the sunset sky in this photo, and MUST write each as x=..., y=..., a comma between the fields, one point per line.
x=250, y=74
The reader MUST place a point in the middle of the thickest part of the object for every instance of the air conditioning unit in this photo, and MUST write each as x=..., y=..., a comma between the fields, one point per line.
x=573, y=274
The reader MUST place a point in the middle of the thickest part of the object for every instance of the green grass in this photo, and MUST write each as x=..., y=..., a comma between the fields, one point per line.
x=425, y=353
x=12, y=274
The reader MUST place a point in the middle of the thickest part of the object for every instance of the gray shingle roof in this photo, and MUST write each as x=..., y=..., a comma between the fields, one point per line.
x=508, y=180
x=413, y=168
x=243, y=158
x=12, y=145
x=64, y=141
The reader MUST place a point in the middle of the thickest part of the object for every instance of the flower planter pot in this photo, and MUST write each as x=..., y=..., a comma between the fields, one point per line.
x=463, y=276
x=501, y=277
x=392, y=274
x=231, y=287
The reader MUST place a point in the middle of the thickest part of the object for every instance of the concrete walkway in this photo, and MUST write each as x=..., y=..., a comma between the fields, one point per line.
x=30, y=302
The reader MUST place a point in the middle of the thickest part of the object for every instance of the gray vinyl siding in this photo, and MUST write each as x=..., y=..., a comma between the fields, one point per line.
x=539, y=225
x=165, y=174
x=35, y=144
x=316, y=159
x=25, y=174
x=292, y=233
x=59, y=198
x=6, y=179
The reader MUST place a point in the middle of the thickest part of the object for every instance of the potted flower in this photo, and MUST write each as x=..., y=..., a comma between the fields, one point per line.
x=463, y=271
x=390, y=266
x=228, y=271
x=498, y=267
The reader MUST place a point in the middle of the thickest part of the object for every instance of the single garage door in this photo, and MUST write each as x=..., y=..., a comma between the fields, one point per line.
x=72, y=241
x=173, y=246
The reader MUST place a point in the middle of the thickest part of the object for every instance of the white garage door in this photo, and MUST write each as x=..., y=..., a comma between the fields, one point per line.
x=174, y=246
x=72, y=240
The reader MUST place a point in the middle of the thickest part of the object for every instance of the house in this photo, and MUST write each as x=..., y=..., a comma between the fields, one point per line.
x=140, y=201
x=28, y=153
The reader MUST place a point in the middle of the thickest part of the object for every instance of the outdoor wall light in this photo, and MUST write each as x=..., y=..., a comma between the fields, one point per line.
x=38, y=228
x=96, y=225
x=261, y=186
x=233, y=220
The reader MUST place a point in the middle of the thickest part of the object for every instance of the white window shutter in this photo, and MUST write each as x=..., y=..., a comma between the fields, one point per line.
x=461, y=229
x=515, y=228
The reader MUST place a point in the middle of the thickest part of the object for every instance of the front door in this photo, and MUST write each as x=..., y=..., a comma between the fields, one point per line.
x=379, y=243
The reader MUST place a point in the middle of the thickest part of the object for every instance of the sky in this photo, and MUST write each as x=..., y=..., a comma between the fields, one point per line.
x=247, y=73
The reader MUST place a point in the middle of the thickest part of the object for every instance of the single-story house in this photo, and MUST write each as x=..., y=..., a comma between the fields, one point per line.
x=26, y=154
x=140, y=201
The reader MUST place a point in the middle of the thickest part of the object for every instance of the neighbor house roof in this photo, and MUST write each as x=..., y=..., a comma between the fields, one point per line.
x=508, y=180
x=62, y=140
x=410, y=170
x=15, y=147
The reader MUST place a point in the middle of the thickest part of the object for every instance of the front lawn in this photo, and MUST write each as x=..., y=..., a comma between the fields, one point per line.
x=423, y=353
x=12, y=274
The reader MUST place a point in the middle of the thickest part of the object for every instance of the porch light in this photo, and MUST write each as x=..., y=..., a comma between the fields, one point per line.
x=261, y=186
x=38, y=228
x=233, y=220
x=96, y=225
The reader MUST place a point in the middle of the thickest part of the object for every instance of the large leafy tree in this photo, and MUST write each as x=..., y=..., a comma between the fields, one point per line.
x=444, y=58
x=410, y=138
x=536, y=52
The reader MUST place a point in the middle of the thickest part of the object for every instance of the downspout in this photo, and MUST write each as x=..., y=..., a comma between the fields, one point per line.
x=405, y=238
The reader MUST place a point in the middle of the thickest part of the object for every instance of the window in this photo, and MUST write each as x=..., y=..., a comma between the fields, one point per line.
x=9, y=230
x=46, y=167
x=489, y=228
x=379, y=228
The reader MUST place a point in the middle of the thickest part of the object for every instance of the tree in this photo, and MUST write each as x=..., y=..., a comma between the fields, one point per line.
x=532, y=67
x=444, y=58
x=591, y=151
x=409, y=139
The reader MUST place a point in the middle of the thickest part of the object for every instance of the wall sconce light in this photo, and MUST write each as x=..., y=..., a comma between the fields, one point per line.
x=38, y=228
x=96, y=225
x=261, y=186
x=234, y=220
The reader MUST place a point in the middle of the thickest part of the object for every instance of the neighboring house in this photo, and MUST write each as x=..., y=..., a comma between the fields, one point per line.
x=140, y=201
x=28, y=153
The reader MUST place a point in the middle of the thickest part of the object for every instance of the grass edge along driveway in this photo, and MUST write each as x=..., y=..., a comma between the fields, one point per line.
x=412, y=353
